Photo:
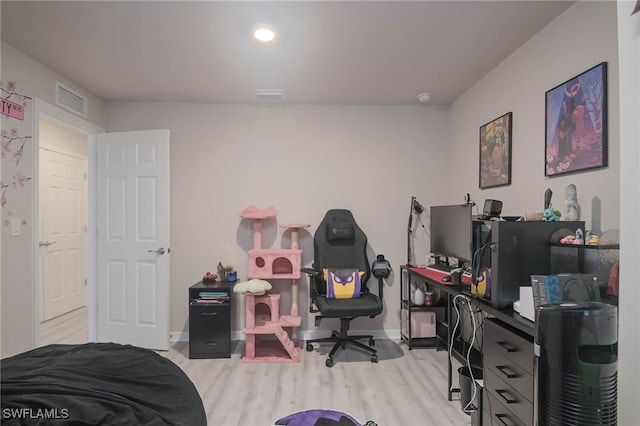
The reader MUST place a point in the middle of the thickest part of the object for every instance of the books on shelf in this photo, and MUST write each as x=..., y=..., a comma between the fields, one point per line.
x=213, y=294
x=210, y=301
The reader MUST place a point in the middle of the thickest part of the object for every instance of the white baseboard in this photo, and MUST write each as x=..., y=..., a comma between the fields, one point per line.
x=178, y=336
x=183, y=336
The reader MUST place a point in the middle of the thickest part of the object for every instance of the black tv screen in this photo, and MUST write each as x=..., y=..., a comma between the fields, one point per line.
x=451, y=231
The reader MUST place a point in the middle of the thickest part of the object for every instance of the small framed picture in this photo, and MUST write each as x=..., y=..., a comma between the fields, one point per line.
x=495, y=152
x=576, y=123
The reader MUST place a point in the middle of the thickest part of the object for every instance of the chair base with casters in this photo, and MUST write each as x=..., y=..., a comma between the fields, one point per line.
x=342, y=339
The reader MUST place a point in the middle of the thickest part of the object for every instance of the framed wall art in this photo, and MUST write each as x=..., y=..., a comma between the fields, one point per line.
x=576, y=123
x=495, y=152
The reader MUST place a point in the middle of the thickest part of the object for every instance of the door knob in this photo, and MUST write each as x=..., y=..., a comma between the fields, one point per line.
x=160, y=251
x=46, y=243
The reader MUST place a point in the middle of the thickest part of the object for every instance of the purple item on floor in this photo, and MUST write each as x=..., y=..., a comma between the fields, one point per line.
x=318, y=418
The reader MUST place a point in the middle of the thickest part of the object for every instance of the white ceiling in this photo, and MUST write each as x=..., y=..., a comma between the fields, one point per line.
x=326, y=52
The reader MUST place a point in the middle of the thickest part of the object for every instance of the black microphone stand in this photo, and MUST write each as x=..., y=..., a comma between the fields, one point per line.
x=415, y=207
x=409, y=232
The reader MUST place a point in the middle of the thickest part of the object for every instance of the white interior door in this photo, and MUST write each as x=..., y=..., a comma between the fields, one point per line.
x=133, y=238
x=62, y=232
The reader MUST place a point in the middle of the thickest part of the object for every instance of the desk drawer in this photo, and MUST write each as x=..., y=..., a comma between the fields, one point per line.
x=206, y=339
x=506, y=407
x=500, y=419
x=510, y=374
x=504, y=397
x=209, y=313
x=500, y=340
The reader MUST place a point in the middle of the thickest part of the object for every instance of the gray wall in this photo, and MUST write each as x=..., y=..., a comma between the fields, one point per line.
x=231, y=156
x=303, y=160
x=34, y=80
x=559, y=52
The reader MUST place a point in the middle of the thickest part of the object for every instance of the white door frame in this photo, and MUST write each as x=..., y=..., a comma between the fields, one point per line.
x=42, y=107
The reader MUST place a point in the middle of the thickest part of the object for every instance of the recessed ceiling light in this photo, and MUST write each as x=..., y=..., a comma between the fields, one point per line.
x=264, y=34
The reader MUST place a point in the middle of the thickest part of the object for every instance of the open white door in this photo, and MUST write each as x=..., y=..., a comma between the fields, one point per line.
x=133, y=238
x=62, y=232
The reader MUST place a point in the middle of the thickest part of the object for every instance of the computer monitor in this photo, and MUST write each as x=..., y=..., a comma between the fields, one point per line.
x=451, y=232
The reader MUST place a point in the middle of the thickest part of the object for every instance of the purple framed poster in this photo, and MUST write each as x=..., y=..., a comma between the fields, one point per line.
x=576, y=123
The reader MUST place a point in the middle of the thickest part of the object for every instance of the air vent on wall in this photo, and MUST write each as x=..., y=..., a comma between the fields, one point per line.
x=269, y=94
x=71, y=100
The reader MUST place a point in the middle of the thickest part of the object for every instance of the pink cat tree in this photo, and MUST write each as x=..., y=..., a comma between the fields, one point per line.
x=262, y=314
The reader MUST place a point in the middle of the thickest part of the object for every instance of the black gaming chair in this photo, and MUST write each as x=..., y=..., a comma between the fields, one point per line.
x=340, y=243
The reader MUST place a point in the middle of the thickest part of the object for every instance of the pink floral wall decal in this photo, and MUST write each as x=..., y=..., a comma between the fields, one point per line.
x=13, y=142
x=8, y=139
x=9, y=93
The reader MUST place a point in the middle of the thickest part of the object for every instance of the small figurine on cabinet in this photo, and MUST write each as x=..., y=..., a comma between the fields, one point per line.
x=547, y=198
x=209, y=277
x=222, y=274
x=571, y=209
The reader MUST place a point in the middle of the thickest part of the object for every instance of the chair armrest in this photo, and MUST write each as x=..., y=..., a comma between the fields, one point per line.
x=310, y=271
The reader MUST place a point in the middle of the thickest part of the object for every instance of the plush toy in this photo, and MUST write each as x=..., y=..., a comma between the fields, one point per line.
x=569, y=239
x=574, y=239
x=551, y=215
x=320, y=418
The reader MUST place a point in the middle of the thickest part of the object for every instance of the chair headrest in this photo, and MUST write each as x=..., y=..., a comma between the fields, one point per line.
x=340, y=231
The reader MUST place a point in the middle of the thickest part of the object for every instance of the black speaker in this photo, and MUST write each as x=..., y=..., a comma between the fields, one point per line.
x=492, y=208
x=576, y=364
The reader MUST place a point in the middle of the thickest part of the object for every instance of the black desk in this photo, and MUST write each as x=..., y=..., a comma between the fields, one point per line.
x=506, y=315
x=506, y=355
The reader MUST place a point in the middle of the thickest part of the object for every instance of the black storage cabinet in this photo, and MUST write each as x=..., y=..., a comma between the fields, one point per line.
x=210, y=320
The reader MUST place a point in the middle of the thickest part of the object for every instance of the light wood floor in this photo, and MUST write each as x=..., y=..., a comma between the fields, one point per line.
x=405, y=388
x=70, y=328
